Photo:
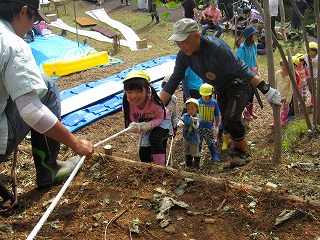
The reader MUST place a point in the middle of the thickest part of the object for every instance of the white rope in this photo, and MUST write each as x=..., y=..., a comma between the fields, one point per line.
x=65, y=186
x=170, y=153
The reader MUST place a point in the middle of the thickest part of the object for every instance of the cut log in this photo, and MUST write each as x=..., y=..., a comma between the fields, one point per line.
x=217, y=181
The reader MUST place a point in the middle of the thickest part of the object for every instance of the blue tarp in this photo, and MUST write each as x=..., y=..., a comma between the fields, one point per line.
x=82, y=117
x=53, y=47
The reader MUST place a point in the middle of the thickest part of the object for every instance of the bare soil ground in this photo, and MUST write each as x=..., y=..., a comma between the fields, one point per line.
x=117, y=197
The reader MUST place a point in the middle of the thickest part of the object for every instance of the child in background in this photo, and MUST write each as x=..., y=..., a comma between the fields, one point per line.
x=247, y=52
x=172, y=105
x=291, y=116
x=304, y=74
x=284, y=85
x=314, y=58
x=191, y=139
x=209, y=119
x=145, y=113
x=190, y=85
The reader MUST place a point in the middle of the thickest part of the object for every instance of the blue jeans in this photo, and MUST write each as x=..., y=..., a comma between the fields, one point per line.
x=17, y=128
x=219, y=27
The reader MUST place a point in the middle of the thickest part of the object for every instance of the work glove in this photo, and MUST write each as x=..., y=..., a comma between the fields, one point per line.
x=180, y=123
x=134, y=127
x=145, y=127
x=273, y=96
x=194, y=119
x=216, y=131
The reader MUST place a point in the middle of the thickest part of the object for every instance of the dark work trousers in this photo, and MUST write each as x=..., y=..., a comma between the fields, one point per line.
x=232, y=100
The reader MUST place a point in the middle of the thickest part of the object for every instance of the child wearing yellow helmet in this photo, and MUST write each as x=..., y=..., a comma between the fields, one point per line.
x=209, y=113
x=284, y=85
x=304, y=74
x=314, y=62
x=191, y=139
x=145, y=113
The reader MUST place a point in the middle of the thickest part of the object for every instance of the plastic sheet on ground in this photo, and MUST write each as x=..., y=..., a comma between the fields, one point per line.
x=52, y=47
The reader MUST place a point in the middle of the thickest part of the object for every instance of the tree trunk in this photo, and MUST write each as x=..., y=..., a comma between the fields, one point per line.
x=302, y=103
x=276, y=159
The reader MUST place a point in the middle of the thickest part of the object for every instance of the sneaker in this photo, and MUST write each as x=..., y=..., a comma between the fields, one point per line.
x=128, y=4
x=122, y=4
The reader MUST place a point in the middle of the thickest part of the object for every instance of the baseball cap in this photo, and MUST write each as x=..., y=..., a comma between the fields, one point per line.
x=183, y=28
x=35, y=5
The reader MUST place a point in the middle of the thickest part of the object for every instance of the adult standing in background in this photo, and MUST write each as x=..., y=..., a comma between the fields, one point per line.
x=152, y=8
x=127, y=3
x=274, y=13
x=303, y=9
x=190, y=9
x=212, y=17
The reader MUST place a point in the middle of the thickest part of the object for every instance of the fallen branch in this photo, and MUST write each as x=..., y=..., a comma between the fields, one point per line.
x=112, y=220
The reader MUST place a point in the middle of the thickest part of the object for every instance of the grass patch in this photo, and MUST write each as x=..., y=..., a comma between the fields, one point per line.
x=293, y=133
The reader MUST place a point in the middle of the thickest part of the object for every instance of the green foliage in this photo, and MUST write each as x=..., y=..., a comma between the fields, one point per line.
x=169, y=5
x=293, y=133
x=166, y=15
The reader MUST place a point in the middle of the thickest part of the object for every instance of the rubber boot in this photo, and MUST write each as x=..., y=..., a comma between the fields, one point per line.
x=49, y=170
x=196, y=163
x=214, y=155
x=247, y=115
x=252, y=113
x=283, y=117
x=225, y=142
x=157, y=19
x=240, y=151
x=152, y=17
x=159, y=159
x=188, y=160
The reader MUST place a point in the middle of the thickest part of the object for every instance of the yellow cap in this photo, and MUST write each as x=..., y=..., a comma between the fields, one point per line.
x=193, y=100
x=300, y=56
x=206, y=89
x=295, y=60
x=313, y=45
x=137, y=74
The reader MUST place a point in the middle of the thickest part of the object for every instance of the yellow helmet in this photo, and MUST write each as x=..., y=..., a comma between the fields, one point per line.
x=300, y=56
x=295, y=60
x=313, y=45
x=193, y=100
x=137, y=74
x=206, y=89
